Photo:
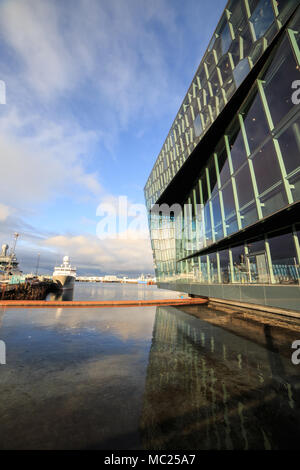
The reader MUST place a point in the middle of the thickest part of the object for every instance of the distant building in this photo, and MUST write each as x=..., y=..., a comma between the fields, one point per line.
x=110, y=278
x=229, y=170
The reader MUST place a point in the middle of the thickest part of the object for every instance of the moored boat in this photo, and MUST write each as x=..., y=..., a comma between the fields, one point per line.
x=65, y=274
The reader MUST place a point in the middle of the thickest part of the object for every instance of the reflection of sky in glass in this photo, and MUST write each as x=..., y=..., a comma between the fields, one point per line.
x=241, y=71
x=262, y=18
x=198, y=125
x=226, y=39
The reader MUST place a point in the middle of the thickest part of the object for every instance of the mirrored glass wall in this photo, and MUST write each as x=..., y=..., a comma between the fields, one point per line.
x=244, y=32
x=252, y=173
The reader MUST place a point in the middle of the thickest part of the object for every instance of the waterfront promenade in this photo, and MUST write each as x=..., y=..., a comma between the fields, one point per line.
x=102, y=303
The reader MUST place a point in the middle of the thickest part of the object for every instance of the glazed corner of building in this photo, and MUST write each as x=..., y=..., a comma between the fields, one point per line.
x=233, y=155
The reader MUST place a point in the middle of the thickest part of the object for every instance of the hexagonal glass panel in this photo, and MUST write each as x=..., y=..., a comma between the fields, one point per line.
x=198, y=125
x=241, y=71
x=262, y=18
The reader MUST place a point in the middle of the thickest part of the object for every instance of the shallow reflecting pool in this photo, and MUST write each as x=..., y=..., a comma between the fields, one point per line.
x=152, y=378
x=112, y=291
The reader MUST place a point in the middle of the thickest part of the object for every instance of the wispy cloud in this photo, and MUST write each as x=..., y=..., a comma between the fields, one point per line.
x=113, y=47
x=79, y=75
x=5, y=211
x=41, y=160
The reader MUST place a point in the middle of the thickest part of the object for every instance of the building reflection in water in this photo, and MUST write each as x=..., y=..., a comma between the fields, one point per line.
x=220, y=382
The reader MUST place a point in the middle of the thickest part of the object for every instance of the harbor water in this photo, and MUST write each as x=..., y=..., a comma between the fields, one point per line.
x=194, y=377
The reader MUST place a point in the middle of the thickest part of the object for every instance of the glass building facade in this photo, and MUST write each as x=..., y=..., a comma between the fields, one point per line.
x=223, y=196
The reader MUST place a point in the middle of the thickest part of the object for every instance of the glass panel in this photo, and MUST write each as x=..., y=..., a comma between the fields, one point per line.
x=277, y=87
x=295, y=182
x=204, y=188
x=256, y=246
x=255, y=123
x=204, y=278
x=198, y=125
x=212, y=43
x=195, y=270
x=218, y=227
x=196, y=199
x=215, y=83
x=271, y=33
x=212, y=104
x=240, y=266
x=244, y=186
x=229, y=209
x=262, y=18
x=284, y=258
x=219, y=102
x=212, y=175
x=218, y=48
x=229, y=87
x=249, y=215
x=207, y=221
x=238, y=15
x=223, y=165
x=210, y=62
x=289, y=143
x=225, y=38
x=263, y=161
x=206, y=117
x=258, y=267
x=252, y=5
x=225, y=267
x=246, y=40
x=274, y=200
x=225, y=68
x=213, y=265
x=241, y=71
x=202, y=76
x=234, y=50
x=285, y=8
x=237, y=147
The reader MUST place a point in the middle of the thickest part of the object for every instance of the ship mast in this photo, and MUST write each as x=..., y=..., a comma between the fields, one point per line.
x=12, y=253
x=37, y=264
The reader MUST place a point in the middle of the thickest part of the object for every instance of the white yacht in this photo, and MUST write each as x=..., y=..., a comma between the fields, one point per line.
x=65, y=274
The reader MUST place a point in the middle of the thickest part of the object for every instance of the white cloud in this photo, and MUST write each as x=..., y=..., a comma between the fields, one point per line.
x=32, y=29
x=5, y=212
x=114, y=46
x=45, y=163
x=111, y=256
x=106, y=52
x=78, y=72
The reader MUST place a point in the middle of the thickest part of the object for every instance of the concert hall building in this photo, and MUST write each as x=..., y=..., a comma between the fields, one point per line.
x=224, y=193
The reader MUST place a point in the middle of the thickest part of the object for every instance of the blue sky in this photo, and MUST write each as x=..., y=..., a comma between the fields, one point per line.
x=92, y=88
